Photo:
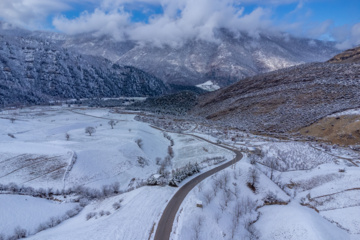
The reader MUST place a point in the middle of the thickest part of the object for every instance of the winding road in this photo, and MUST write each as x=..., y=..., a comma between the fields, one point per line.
x=165, y=224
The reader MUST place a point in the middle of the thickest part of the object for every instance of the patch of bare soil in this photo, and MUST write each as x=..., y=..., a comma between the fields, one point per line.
x=342, y=130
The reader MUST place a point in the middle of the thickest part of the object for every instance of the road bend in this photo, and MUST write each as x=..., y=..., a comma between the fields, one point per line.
x=165, y=224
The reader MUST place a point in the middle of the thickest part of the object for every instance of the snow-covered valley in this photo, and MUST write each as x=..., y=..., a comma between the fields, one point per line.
x=60, y=179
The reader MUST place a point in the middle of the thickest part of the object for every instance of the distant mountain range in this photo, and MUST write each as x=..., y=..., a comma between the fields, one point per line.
x=226, y=61
x=41, y=66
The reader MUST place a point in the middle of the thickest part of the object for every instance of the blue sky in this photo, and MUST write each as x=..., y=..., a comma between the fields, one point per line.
x=173, y=20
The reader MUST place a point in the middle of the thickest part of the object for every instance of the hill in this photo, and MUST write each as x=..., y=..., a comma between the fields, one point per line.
x=285, y=100
x=349, y=56
x=34, y=70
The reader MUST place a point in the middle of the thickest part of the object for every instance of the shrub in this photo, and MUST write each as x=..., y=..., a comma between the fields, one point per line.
x=90, y=215
x=116, y=205
x=139, y=142
x=11, y=135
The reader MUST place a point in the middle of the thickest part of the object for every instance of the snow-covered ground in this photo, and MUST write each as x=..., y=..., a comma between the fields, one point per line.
x=294, y=180
x=135, y=219
x=27, y=213
x=296, y=222
x=208, y=86
x=107, y=156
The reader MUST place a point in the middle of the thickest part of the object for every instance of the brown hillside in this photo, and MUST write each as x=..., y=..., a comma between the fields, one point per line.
x=349, y=56
x=286, y=100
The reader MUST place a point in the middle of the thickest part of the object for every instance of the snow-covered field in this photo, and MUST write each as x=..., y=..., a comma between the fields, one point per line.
x=28, y=213
x=135, y=219
x=35, y=154
x=300, y=191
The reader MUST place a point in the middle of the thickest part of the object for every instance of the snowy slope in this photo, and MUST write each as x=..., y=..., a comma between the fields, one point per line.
x=28, y=212
x=296, y=222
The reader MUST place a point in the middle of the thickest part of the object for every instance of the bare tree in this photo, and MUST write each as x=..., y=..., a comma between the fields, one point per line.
x=226, y=197
x=253, y=178
x=170, y=151
x=115, y=187
x=208, y=196
x=197, y=227
x=225, y=177
x=234, y=226
x=215, y=186
x=90, y=130
x=217, y=217
x=200, y=186
x=20, y=232
x=67, y=136
x=112, y=123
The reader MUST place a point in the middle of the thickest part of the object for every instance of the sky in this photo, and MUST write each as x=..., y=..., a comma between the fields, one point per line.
x=174, y=21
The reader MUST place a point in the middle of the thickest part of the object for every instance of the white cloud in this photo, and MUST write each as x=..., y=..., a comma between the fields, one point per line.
x=30, y=13
x=98, y=22
x=318, y=30
x=347, y=36
x=180, y=20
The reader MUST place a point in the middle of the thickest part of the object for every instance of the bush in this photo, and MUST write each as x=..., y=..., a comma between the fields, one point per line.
x=139, y=142
x=180, y=174
x=116, y=206
x=19, y=233
x=90, y=215
x=11, y=135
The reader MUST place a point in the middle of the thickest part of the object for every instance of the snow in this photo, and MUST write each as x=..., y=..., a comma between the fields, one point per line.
x=296, y=222
x=190, y=149
x=189, y=214
x=140, y=210
x=347, y=112
x=111, y=155
x=28, y=212
x=347, y=218
x=208, y=86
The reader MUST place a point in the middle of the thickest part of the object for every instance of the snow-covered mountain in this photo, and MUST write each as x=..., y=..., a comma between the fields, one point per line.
x=38, y=66
x=34, y=69
x=229, y=59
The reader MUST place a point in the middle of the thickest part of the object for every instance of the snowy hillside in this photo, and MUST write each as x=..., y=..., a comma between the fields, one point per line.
x=229, y=59
x=36, y=70
x=62, y=182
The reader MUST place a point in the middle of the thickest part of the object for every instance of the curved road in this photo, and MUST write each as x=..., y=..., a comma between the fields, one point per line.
x=165, y=225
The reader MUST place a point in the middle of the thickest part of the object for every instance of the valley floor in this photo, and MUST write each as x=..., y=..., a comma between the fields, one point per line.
x=58, y=182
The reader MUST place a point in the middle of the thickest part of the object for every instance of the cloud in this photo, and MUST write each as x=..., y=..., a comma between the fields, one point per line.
x=179, y=21
x=30, y=13
x=112, y=23
x=347, y=36
x=320, y=29
x=174, y=21
x=270, y=2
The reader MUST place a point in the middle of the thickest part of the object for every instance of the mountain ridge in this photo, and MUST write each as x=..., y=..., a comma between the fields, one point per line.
x=34, y=70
